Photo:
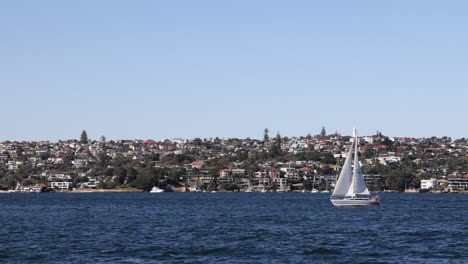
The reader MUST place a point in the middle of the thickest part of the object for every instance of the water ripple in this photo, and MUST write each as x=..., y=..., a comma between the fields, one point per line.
x=230, y=228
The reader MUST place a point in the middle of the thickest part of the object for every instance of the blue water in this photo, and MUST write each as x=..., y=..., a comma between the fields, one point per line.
x=231, y=228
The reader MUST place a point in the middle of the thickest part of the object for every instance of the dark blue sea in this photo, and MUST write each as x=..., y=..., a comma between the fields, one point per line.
x=230, y=228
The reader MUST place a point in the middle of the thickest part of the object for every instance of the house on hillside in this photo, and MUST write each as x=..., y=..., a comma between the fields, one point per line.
x=198, y=164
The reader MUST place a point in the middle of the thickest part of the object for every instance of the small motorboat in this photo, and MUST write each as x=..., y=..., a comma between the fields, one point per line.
x=156, y=190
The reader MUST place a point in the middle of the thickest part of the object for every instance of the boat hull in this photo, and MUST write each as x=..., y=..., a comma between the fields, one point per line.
x=354, y=202
x=156, y=190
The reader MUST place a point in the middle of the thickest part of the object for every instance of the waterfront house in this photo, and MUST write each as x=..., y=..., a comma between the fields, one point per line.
x=225, y=176
x=460, y=183
x=35, y=188
x=198, y=179
x=428, y=184
x=60, y=185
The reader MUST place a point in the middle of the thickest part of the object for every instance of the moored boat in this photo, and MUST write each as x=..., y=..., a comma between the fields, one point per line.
x=156, y=189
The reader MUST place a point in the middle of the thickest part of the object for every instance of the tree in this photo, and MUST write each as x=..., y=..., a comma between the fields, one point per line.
x=132, y=174
x=197, y=141
x=328, y=158
x=276, y=146
x=148, y=177
x=323, y=133
x=103, y=159
x=386, y=141
x=9, y=180
x=108, y=183
x=229, y=187
x=396, y=179
x=144, y=182
x=109, y=172
x=121, y=174
x=212, y=186
x=266, y=137
x=307, y=185
x=84, y=137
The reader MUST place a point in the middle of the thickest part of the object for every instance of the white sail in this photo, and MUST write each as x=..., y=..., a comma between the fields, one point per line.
x=359, y=182
x=344, y=181
x=351, y=187
x=358, y=185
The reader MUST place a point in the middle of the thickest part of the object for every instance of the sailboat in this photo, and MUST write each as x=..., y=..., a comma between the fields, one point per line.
x=313, y=187
x=326, y=187
x=351, y=189
x=249, y=188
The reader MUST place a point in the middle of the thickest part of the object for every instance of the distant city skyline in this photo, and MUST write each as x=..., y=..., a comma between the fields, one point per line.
x=165, y=69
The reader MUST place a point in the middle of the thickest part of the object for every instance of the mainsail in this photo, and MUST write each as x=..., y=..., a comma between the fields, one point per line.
x=344, y=181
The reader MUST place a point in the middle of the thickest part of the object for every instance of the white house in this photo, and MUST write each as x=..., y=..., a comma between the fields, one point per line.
x=428, y=184
x=238, y=171
x=60, y=185
x=292, y=174
x=458, y=183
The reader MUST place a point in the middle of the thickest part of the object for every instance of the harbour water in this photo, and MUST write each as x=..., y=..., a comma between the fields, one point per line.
x=230, y=228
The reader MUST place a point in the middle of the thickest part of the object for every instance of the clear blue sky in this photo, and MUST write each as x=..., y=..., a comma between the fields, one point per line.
x=157, y=69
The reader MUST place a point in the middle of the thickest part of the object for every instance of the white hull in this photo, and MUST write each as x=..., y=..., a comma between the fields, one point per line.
x=156, y=190
x=354, y=202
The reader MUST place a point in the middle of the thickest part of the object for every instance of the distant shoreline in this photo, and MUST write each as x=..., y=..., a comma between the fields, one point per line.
x=142, y=191
x=103, y=191
x=87, y=191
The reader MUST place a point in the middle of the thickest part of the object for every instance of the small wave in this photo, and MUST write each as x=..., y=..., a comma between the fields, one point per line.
x=416, y=234
x=322, y=251
x=246, y=238
x=373, y=254
x=334, y=243
x=36, y=257
x=210, y=251
x=169, y=253
x=372, y=262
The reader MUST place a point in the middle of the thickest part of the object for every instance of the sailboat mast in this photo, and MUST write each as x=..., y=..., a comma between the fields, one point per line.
x=355, y=163
x=356, y=158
